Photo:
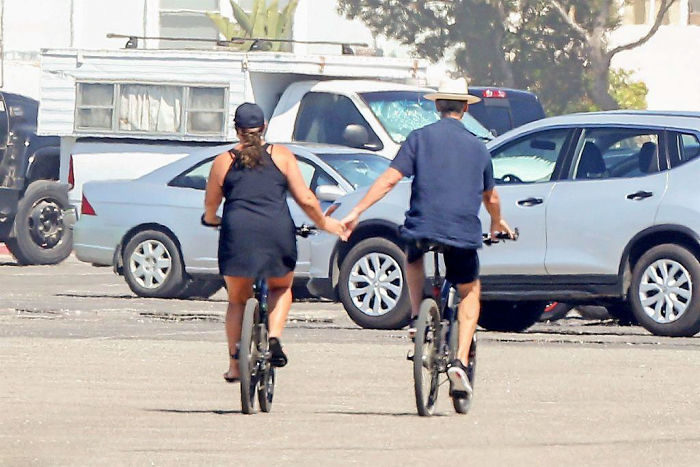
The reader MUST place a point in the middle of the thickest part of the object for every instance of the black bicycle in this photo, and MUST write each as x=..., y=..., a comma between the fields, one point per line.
x=436, y=340
x=257, y=375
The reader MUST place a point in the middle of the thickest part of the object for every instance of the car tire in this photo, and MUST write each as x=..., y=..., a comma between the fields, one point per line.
x=510, y=316
x=665, y=291
x=201, y=288
x=621, y=311
x=357, y=273
x=153, y=265
x=39, y=235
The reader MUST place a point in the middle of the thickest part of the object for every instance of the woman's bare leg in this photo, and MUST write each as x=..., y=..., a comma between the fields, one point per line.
x=240, y=289
x=279, y=301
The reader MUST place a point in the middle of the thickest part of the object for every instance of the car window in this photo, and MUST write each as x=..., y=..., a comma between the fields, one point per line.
x=616, y=153
x=307, y=171
x=529, y=159
x=498, y=118
x=688, y=149
x=324, y=118
x=314, y=175
x=196, y=177
x=358, y=169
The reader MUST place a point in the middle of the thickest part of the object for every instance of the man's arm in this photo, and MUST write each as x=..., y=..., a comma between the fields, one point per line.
x=492, y=203
x=381, y=186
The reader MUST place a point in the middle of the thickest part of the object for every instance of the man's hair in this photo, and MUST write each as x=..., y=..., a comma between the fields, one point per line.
x=445, y=106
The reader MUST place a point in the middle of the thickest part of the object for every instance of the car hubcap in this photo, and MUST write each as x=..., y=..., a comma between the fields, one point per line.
x=375, y=284
x=665, y=290
x=46, y=223
x=150, y=264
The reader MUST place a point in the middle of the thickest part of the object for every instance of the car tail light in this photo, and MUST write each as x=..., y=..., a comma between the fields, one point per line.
x=71, y=175
x=331, y=209
x=86, y=208
x=494, y=93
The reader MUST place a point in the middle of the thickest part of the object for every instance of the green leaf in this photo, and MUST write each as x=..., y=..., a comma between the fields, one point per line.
x=223, y=24
x=242, y=18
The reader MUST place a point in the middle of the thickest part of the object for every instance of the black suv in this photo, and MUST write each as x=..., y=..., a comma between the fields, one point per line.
x=31, y=200
x=502, y=109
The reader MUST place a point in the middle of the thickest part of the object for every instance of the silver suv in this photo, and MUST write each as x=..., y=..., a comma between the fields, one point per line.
x=608, y=209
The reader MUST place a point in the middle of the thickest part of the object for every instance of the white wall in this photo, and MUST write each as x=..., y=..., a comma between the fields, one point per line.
x=669, y=64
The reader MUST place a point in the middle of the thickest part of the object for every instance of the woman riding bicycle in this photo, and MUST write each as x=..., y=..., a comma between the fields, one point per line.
x=257, y=232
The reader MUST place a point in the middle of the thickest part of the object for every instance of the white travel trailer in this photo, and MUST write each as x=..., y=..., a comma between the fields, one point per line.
x=121, y=114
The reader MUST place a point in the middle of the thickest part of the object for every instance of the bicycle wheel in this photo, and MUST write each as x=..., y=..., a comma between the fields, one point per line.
x=462, y=404
x=266, y=382
x=426, y=348
x=249, y=354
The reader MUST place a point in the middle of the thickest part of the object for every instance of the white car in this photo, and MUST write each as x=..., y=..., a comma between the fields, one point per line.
x=608, y=211
x=149, y=228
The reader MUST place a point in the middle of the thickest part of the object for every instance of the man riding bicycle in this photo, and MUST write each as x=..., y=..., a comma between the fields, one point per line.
x=452, y=174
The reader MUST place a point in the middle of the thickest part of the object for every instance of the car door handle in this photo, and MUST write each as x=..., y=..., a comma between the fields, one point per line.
x=640, y=195
x=530, y=201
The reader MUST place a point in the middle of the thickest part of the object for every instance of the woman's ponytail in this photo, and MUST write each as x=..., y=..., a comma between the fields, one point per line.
x=249, y=156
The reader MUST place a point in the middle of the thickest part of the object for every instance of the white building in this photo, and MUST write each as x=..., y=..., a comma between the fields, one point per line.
x=669, y=63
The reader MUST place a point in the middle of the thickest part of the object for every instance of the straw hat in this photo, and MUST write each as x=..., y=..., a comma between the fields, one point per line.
x=453, y=90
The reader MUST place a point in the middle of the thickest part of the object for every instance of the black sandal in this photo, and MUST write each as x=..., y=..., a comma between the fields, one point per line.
x=235, y=379
x=277, y=356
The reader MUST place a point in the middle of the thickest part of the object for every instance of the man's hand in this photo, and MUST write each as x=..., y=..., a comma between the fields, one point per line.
x=500, y=225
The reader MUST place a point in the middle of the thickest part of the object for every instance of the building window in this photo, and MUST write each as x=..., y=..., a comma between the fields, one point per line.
x=644, y=12
x=187, y=19
x=151, y=109
x=694, y=12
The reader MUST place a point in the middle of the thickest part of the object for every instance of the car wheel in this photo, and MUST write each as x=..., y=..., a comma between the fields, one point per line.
x=153, y=265
x=201, y=288
x=555, y=310
x=372, y=285
x=622, y=312
x=39, y=235
x=510, y=316
x=665, y=291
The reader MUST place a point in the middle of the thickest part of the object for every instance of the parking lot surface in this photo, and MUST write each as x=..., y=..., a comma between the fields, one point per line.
x=90, y=374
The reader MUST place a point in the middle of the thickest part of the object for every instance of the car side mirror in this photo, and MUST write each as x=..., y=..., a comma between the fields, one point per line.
x=355, y=136
x=329, y=193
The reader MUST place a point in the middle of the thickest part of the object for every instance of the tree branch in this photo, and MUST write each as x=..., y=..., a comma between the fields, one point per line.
x=568, y=17
x=663, y=9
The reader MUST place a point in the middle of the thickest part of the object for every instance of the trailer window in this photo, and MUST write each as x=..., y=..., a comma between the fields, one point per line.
x=151, y=109
x=95, y=106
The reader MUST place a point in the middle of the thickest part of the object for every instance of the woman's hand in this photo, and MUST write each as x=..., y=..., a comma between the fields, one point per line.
x=334, y=227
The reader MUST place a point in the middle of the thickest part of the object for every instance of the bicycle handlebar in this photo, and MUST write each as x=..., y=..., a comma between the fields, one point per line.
x=304, y=230
x=501, y=236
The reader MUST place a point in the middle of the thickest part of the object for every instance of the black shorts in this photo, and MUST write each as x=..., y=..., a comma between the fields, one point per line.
x=462, y=264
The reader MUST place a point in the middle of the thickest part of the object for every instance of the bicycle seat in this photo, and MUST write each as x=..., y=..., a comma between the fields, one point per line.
x=432, y=245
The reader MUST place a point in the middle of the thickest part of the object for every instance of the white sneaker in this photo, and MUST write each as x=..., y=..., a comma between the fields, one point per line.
x=458, y=378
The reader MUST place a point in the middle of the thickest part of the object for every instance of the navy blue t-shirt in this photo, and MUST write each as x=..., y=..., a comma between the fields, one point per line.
x=451, y=169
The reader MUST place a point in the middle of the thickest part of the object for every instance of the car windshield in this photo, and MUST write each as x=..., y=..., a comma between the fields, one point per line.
x=358, y=169
x=401, y=112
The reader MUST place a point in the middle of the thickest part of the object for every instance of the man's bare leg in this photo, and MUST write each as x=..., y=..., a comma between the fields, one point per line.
x=415, y=278
x=467, y=315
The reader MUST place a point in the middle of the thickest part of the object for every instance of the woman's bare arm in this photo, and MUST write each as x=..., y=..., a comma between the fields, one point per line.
x=215, y=193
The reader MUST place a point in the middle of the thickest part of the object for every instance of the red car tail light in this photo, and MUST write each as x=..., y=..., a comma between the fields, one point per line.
x=71, y=174
x=86, y=208
x=494, y=93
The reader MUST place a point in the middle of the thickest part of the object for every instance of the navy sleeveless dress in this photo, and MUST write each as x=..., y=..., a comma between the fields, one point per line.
x=257, y=231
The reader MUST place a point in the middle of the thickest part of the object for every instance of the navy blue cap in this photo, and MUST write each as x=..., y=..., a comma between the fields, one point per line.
x=249, y=115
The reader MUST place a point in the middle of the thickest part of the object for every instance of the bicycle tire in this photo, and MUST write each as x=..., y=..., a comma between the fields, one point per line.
x=248, y=355
x=463, y=404
x=426, y=345
x=266, y=382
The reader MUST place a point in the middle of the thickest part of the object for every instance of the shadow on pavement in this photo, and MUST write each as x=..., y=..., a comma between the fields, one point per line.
x=200, y=411
x=377, y=414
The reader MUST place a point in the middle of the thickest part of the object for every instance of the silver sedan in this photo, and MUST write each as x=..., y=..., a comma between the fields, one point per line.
x=149, y=228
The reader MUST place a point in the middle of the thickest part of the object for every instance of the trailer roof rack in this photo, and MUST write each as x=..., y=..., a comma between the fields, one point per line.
x=258, y=43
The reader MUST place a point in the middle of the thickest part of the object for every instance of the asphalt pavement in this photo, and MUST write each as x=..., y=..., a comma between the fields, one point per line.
x=90, y=374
